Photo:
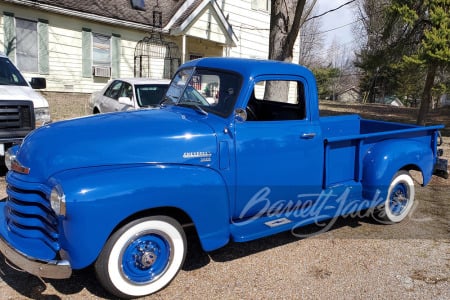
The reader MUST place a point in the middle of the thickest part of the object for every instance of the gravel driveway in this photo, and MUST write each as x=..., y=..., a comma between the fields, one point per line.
x=355, y=259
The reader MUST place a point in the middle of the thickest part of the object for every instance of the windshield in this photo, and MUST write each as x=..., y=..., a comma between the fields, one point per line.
x=150, y=94
x=9, y=75
x=206, y=90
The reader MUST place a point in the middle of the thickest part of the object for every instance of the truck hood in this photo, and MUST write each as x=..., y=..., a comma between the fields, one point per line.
x=144, y=136
x=15, y=92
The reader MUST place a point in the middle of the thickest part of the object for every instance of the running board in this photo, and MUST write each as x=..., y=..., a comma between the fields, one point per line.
x=244, y=230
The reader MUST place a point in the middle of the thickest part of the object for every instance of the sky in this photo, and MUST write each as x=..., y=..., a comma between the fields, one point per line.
x=336, y=19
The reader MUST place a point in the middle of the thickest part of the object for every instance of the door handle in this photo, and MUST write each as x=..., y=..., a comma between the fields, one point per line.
x=308, y=135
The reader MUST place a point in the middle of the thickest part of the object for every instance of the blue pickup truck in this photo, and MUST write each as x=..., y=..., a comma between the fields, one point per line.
x=237, y=150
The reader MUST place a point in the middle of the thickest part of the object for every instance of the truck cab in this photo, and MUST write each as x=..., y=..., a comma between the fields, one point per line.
x=237, y=150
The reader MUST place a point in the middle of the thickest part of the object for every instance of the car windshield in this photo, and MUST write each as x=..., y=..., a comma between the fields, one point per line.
x=9, y=75
x=150, y=94
x=206, y=90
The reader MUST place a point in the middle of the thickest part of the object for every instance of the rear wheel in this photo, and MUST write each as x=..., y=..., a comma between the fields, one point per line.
x=142, y=257
x=399, y=199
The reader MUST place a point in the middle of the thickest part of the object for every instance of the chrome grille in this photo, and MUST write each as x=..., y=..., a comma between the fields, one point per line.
x=28, y=214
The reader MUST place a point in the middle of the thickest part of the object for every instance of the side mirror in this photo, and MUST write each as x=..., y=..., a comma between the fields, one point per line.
x=240, y=115
x=125, y=101
x=38, y=83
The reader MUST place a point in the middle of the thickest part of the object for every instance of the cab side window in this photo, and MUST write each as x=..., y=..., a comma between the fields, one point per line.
x=277, y=100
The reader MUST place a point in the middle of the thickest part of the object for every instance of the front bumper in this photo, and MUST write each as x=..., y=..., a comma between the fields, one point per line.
x=55, y=269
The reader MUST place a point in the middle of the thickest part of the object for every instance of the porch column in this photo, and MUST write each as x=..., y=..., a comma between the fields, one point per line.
x=183, y=50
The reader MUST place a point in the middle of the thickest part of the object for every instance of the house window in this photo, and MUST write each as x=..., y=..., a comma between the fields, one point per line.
x=101, y=54
x=27, y=45
x=263, y=5
x=101, y=46
x=138, y=4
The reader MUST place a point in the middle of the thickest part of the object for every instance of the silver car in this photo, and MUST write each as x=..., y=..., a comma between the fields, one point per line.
x=128, y=93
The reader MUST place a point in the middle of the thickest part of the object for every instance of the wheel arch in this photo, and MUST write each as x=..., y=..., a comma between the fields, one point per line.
x=142, y=192
x=388, y=157
x=416, y=173
x=176, y=213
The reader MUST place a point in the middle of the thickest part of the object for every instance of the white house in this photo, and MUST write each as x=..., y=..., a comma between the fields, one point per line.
x=444, y=100
x=79, y=45
x=350, y=94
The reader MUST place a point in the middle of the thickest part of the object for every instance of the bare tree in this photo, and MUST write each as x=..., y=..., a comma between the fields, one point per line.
x=285, y=20
x=310, y=38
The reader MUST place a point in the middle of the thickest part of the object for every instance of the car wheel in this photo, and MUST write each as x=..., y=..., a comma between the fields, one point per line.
x=142, y=257
x=399, y=199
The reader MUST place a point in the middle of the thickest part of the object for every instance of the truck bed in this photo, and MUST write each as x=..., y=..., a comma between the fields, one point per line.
x=348, y=138
x=353, y=126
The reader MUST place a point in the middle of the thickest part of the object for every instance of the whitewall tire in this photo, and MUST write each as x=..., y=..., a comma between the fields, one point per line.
x=142, y=257
x=399, y=199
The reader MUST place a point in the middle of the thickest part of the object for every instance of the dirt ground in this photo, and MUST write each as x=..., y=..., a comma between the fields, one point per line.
x=355, y=259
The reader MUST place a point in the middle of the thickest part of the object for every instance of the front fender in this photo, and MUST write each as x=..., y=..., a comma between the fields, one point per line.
x=98, y=199
x=386, y=158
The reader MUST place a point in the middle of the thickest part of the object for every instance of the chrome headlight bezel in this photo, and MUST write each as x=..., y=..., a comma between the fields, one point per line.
x=58, y=200
x=13, y=164
x=10, y=156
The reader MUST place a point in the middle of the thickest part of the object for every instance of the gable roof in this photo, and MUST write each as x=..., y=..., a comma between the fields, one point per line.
x=187, y=16
x=174, y=13
x=347, y=89
x=120, y=10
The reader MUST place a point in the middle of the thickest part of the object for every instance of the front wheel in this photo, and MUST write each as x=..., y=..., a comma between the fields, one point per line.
x=142, y=257
x=399, y=199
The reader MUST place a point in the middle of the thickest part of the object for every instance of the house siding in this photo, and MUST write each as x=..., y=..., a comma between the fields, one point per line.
x=203, y=48
x=207, y=28
x=251, y=27
x=65, y=49
x=66, y=46
x=65, y=43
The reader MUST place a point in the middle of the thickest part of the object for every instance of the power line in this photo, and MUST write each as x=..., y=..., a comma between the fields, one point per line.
x=310, y=34
x=329, y=11
x=332, y=29
x=313, y=17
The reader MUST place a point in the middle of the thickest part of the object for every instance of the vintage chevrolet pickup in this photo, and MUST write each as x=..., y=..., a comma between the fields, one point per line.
x=237, y=150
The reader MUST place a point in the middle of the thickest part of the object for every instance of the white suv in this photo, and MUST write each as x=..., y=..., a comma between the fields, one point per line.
x=21, y=108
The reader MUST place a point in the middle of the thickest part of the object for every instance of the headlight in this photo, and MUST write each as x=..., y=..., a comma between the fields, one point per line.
x=42, y=115
x=10, y=155
x=58, y=200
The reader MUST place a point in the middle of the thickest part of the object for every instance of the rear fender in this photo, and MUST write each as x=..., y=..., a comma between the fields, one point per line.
x=99, y=199
x=385, y=158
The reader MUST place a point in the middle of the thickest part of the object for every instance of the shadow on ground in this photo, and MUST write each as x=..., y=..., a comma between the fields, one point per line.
x=35, y=288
